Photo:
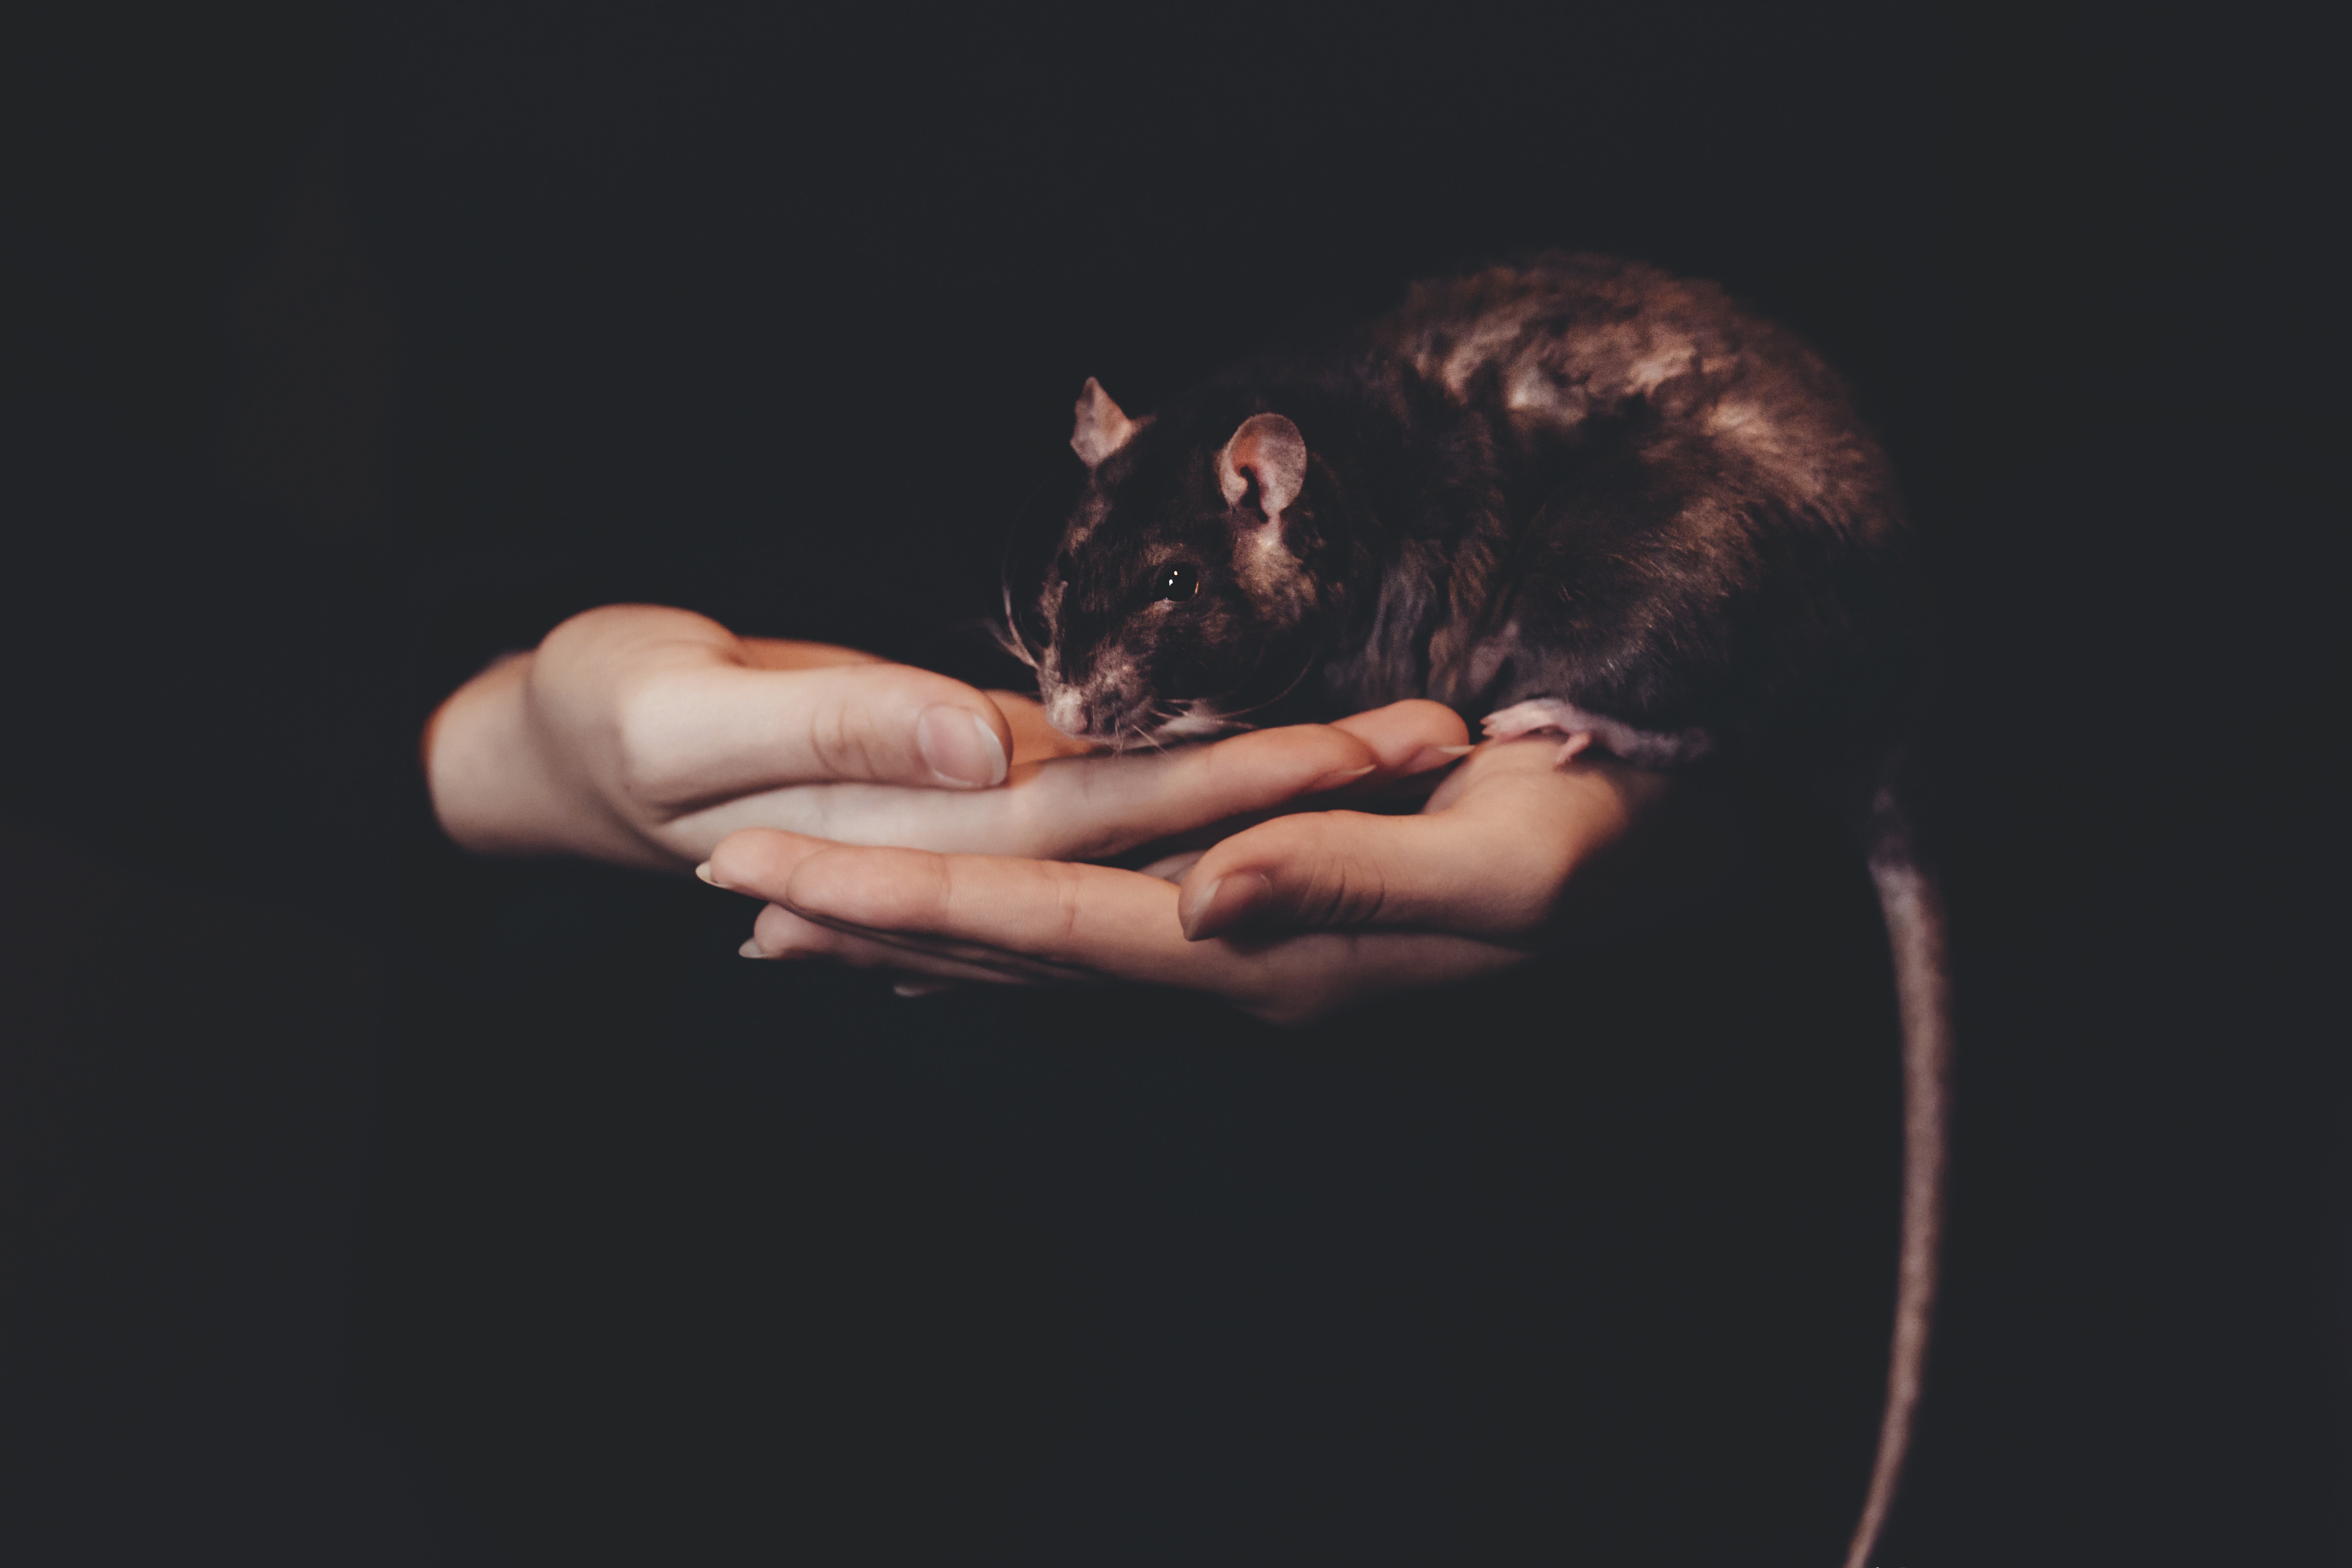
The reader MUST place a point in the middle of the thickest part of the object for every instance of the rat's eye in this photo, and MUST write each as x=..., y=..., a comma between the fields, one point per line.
x=1178, y=582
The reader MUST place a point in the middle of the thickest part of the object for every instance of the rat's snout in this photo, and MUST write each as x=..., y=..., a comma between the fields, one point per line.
x=1098, y=709
x=1066, y=711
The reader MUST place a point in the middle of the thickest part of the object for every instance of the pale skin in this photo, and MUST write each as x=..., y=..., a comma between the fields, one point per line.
x=892, y=819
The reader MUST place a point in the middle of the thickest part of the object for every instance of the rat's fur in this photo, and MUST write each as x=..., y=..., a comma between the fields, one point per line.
x=1572, y=494
x=1576, y=479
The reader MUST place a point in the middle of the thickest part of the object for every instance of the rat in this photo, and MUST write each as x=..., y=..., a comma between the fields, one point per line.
x=1569, y=495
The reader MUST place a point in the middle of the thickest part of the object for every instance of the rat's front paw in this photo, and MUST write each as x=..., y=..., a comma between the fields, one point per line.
x=1540, y=716
x=1580, y=729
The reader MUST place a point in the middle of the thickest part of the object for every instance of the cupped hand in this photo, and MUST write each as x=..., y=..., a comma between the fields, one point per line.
x=645, y=735
x=1292, y=919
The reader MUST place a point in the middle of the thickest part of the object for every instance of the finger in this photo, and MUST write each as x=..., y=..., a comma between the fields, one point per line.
x=1093, y=808
x=1043, y=911
x=727, y=731
x=1410, y=737
x=806, y=933
x=1494, y=863
x=764, y=864
x=1078, y=809
x=979, y=917
x=780, y=934
x=1043, y=918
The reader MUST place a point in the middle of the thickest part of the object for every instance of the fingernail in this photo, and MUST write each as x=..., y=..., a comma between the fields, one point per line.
x=1223, y=904
x=1429, y=757
x=960, y=747
x=1346, y=775
x=910, y=989
x=703, y=871
x=751, y=949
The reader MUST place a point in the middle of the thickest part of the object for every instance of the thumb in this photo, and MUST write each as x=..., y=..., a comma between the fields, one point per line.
x=732, y=730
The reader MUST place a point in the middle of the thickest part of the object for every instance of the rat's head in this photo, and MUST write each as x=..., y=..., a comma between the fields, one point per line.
x=1178, y=601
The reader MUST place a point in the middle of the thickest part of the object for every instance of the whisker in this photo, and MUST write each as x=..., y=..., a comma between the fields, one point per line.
x=1010, y=640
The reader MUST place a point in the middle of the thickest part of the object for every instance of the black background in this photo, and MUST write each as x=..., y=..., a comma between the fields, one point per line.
x=2068, y=261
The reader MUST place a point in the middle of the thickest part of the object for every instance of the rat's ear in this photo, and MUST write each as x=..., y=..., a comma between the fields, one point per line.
x=1270, y=449
x=1102, y=428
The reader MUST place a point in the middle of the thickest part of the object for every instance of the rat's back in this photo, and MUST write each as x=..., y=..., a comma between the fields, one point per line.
x=1558, y=340
x=1701, y=536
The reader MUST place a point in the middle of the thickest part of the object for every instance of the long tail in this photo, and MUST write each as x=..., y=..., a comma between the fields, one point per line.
x=1913, y=909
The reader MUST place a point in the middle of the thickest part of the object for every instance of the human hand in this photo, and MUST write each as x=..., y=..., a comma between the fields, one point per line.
x=645, y=735
x=1291, y=919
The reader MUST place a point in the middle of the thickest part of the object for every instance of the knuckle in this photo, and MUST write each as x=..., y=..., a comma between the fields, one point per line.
x=1343, y=889
x=1069, y=906
x=949, y=895
x=1365, y=891
x=1093, y=822
x=641, y=745
x=836, y=741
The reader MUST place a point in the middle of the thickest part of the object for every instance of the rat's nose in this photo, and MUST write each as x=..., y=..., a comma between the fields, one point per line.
x=1067, y=713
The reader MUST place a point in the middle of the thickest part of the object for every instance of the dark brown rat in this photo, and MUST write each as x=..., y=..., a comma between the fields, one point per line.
x=1573, y=496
